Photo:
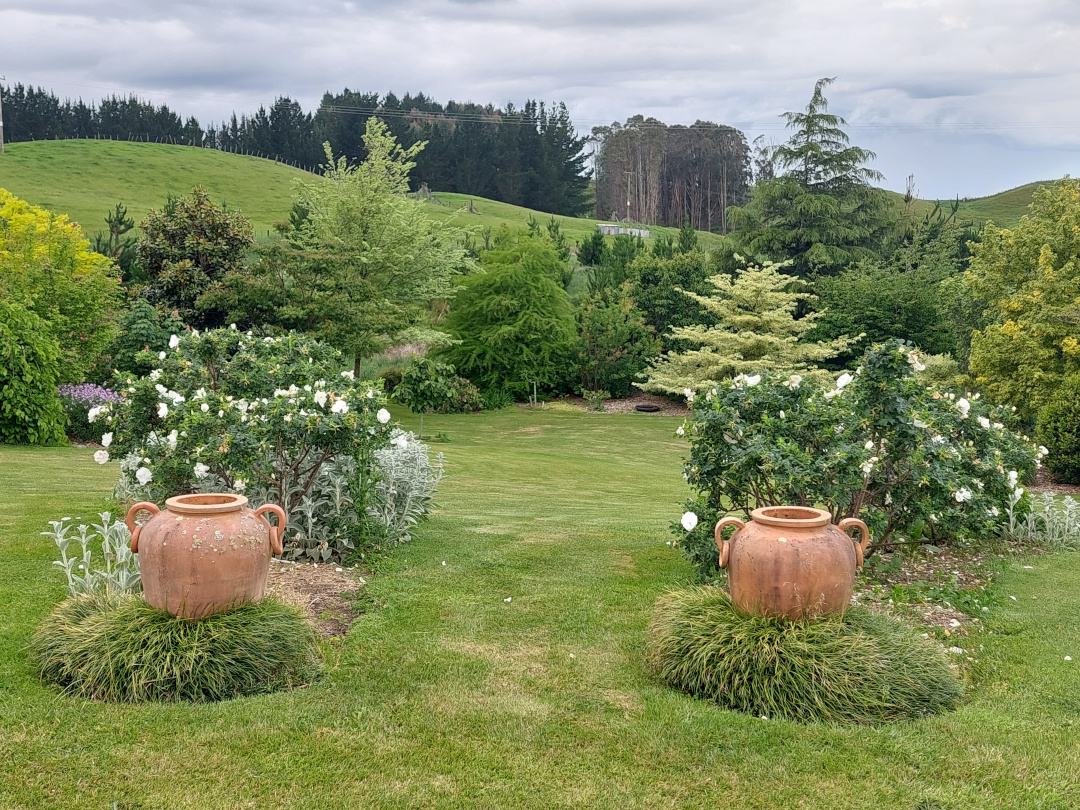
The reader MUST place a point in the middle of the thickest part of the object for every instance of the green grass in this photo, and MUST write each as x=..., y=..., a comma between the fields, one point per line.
x=118, y=648
x=862, y=667
x=448, y=696
x=1004, y=209
x=85, y=180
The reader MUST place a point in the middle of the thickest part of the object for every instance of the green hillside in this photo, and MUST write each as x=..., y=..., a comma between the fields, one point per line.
x=85, y=179
x=1004, y=209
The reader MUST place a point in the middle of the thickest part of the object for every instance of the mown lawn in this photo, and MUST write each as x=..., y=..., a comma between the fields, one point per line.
x=446, y=695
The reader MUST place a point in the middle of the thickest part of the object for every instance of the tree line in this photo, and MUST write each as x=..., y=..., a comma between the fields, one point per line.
x=529, y=156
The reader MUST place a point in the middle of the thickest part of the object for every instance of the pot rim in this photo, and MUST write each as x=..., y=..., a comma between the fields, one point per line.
x=791, y=517
x=206, y=503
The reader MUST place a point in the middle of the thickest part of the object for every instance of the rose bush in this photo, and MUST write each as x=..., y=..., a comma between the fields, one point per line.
x=911, y=461
x=271, y=417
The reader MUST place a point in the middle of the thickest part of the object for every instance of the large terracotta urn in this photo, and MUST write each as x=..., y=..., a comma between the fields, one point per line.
x=204, y=553
x=791, y=561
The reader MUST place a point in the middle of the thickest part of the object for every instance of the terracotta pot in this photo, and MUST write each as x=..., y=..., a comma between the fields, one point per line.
x=205, y=553
x=791, y=561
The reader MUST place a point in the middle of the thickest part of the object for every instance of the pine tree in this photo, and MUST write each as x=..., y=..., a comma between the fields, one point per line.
x=820, y=212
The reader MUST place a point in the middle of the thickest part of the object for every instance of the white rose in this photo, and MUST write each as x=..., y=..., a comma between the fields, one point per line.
x=963, y=406
x=869, y=444
x=174, y=341
x=106, y=439
x=162, y=410
x=201, y=470
x=752, y=381
x=383, y=415
x=339, y=406
x=143, y=475
x=320, y=398
x=171, y=439
x=679, y=431
x=161, y=355
x=239, y=485
x=843, y=380
x=689, y=521
x=101, y=456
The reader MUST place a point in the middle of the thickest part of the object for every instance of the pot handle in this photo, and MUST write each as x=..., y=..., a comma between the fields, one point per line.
x=130, y=521
x=276, y=544
x=860, y=547
x=721, y=543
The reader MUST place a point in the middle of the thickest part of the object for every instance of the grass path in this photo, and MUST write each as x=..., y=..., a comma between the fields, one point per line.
x=446, y=695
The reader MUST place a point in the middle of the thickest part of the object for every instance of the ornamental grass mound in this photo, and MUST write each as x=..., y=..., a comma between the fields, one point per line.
x=117, y=648
x=859, y=668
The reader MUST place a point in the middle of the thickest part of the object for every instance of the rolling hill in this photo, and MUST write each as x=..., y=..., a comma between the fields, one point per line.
x=85, y=179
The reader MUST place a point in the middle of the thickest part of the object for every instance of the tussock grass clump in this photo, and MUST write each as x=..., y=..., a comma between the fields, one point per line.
x=118, y=648
x=861, y=668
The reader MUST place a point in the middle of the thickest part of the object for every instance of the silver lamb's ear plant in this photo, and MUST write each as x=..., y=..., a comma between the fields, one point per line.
x=1049, y=523
x=121, y=571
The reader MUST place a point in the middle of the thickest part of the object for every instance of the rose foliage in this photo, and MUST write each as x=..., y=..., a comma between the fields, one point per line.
x=913, y=462
x=270, y=417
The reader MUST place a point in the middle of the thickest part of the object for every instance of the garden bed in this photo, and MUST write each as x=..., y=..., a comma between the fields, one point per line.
x=327, y=593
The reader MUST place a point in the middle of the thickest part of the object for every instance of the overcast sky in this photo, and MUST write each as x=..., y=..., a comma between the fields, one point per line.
x=970, y=96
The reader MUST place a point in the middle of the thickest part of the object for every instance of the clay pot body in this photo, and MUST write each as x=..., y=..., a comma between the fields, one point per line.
x=791, y=561
x=204, y=554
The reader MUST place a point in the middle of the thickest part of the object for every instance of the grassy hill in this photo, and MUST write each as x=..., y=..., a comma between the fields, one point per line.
x=85, y=180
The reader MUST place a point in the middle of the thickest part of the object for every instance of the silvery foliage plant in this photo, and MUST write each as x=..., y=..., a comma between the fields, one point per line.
x=120, y=573
x=405, y=485
x=1049, y=523
x=398, y=493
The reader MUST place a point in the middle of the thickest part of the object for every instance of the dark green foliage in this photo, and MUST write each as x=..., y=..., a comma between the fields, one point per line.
x=881, y=303
x=188, y=245
x=657, y=285
x=821, y=211
x=428, y=386
x=688, y=240
x=495, y=399
x=862, y=668
x=515, y=325
x=536, y=254
x=1058, y=429
x=30, y=410
x=121, y=650
x=592, y=250
x=908, y=296
x=391, y=378
x=117, y=245
x=615, y=343
x=142, y=328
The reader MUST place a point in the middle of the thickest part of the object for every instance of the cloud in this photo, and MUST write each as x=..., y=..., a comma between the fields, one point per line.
x=949, y=70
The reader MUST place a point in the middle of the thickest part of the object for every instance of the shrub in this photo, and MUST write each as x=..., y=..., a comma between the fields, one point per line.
x=391, y=377
x=188, y=245
x=78, y=400
x=142, y=328
x=495, y=399
x=1048, y=524
x=859, y=668
x=30, y=410
x=514, y=327
x=405, y=485
x=429, y=386
x=264, y=416
x=119, y=649
x=121, y=571
x=614, y=342
x=1059, y=429
x=909, y=461
x=47, y=266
